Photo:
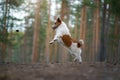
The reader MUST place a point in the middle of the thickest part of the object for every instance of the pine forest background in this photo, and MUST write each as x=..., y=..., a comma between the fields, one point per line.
x=25, y=30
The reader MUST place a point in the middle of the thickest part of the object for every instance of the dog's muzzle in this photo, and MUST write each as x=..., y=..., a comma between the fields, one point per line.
x=54, y=27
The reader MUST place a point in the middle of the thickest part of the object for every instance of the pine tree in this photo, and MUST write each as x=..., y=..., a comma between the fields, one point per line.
x=4, y=32
x=36, y=36
x=96, y=31
x=65, y=17
x=47, y=49
x=83, y=28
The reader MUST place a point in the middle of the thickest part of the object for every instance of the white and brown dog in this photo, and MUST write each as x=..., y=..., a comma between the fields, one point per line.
x=63, y=37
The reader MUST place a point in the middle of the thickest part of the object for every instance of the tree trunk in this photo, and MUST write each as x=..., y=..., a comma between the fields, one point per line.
x=4, y=31
x=76, y=29
x=118, y=50
x=36, y=32
x=83, y=28
x=116, y=40
x=64, y=17
x=47, y=49
x=96, y=32
x=107, y=40
x=102, y=55
x=55, y=46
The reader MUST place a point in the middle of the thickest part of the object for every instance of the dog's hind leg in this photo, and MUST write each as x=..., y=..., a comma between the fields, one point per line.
x=80, y=59
x=79, y=56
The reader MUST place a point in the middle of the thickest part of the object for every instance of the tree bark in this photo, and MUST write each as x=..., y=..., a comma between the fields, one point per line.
x=36, y=32
x=116, y=40
x=83, y=28
x=4, y=31
x=76, y=29
x=47, y=49
x=102, y=55
x=96, y=32
x=64, y=17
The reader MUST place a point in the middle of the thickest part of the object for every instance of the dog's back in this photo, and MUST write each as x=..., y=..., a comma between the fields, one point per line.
x=67, y=40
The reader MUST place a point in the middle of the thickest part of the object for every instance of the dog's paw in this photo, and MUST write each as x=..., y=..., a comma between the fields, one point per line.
x=80, y=62
x=51, y=42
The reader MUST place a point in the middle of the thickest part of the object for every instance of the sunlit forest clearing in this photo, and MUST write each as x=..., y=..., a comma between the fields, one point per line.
x=26, y=30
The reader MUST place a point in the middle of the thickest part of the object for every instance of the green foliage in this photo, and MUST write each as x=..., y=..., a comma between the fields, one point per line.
x=115, y=7
x=89, y=3
x=16, y=3
x=7, y=21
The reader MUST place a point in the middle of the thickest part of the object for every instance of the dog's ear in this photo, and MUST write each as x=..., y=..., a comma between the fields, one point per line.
x=59, y=20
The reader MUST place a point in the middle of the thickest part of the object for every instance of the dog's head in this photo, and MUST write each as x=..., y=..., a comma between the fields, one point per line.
x=57, y=23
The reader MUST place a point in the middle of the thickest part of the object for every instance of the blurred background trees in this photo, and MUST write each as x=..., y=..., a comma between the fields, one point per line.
x=97, y=22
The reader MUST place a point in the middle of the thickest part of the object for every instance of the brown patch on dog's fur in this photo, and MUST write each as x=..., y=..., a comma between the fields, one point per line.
x=68, y=41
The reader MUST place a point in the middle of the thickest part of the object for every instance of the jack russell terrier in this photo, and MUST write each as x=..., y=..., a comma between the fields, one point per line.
x=63, y=37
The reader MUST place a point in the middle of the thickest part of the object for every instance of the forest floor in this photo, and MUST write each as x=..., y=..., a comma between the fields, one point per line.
x=59, y=71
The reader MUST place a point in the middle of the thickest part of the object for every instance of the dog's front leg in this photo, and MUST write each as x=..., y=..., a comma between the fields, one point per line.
x=54, y=39
x=51, y=42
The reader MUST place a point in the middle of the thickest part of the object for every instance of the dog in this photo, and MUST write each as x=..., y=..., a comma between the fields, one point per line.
x=63, y=37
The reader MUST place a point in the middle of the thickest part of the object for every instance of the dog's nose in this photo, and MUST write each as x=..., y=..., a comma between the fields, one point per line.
x=52, y=26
